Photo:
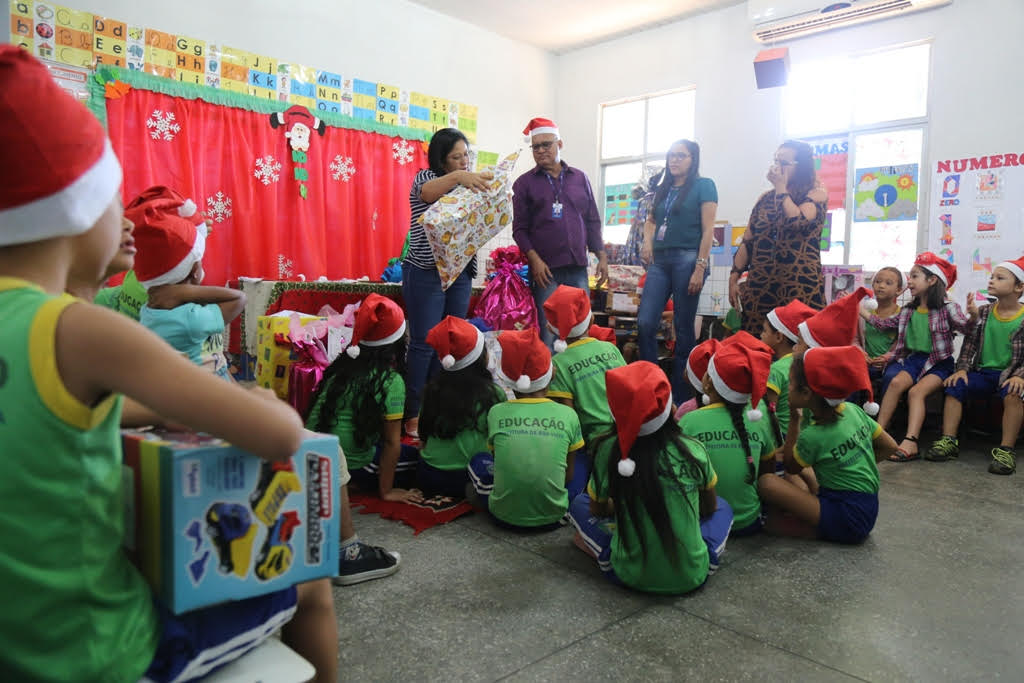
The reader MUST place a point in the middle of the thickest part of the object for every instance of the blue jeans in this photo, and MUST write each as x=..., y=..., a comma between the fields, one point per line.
x=574, y=276
x=426, y=304
x=669, y=275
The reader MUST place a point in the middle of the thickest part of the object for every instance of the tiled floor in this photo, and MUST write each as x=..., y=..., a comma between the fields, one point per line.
x=935, y=594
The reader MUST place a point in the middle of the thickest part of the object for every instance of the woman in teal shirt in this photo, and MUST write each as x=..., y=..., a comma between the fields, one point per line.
x=676, y=248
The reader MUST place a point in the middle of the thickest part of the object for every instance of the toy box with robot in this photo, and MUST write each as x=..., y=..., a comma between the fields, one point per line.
x=207, y=522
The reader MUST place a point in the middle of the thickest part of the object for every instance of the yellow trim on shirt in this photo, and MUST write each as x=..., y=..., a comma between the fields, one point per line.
x=784, y=357
x=560, y=394
x=579, y=342
x=42, y=342
x=391, y=417
x=770, y=455
x=796, y=456
x=712, y=483
x=576, y=446
x=9, y=283
x=530, y=400
x=773, y=388
x=878, y=430
x=716, y=404
x=995, y=314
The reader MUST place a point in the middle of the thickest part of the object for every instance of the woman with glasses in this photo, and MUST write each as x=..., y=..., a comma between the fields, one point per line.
x=426, y=304
x=676, y=247
x=781, y=249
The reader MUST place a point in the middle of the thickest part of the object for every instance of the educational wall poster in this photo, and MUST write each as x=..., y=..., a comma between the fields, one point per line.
x=977, y=216
x=885, y=193
x=619, y=205
x=830, y=159
x=80, y=39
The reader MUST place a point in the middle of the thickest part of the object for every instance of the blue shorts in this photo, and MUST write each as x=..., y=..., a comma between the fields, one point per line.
x=405, y=470
x=437, y=482
x=913, y=365
x=195, y=643
x=846, y=516
x=981, y=383
x=753, y=528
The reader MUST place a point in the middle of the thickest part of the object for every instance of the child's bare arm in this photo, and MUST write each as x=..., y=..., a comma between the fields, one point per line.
x=390, y=450
x=230, y=301
x=570, y=459
x=99, y=352
x=884, y=446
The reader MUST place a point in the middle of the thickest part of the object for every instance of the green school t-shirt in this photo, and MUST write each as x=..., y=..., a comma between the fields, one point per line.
x=683, y=230
x=842, y=454
x=392, y=405
x=126, y=298
x=878, y=342
x=732, y=320
x=996, y=352
x=531, y=439
x=778, y=381
x=454, y=454
x=919, y=335
x=712, y=426
x=656, y=573
x=579, y=375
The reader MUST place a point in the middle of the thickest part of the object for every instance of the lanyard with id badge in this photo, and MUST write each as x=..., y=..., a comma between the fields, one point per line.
x=669, y=200
x=556, y=206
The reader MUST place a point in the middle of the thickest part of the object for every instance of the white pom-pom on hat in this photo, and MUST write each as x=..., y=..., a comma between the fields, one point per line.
x=448, y=361
x=705, y=399
x=754, y=415
x=353, y=351
x=870, y=304
x=627, y=466
x=187, y=209
x=871, y=408
x=523, y=383
x=560, y=345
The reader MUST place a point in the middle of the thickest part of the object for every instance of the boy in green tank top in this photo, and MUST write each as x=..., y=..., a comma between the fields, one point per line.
x=991, y=363
x=533, y=439
x=75, y=607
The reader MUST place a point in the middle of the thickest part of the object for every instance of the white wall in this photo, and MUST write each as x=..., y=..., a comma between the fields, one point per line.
x=387, y=41
x=976, y=103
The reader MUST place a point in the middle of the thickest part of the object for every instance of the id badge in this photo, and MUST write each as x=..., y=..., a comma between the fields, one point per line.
x=556, y=209
x=661, y=232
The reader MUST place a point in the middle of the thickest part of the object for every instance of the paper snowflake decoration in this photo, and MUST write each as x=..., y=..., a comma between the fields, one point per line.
x=402, y=152
x=267, y=169
x=162, y=125
x=342, y=168
x=218, y=207
x=284, y=267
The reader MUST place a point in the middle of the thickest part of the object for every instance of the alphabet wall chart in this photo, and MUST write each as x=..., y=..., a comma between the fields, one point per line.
x=81, y=39
x=977, y=216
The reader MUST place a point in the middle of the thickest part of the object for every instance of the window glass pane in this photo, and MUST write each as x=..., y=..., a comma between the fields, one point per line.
x=890, y=85
x=877, y=245
x=622, y=132
x=669, y=118
x=891, y=148
x=618, y=174
x=818, y=98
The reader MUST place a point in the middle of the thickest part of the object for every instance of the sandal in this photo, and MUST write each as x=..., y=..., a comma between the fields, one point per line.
x=902, y=456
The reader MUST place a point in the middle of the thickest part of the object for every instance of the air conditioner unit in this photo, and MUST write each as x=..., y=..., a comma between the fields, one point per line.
x=775, y=20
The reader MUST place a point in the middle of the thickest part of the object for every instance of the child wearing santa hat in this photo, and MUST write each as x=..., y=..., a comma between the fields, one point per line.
x=696, y=368
x=991, y=362
x=781, y=332
x=922, y=358
x=61, y=223
x=362, y=399
x=737, y=438
x=842, y=445
x=533, y=441
x=453, y=416
x=171, y=239
x=657, y=486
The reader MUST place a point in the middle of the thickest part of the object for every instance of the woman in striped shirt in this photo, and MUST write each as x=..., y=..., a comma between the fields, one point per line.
x=426, y=304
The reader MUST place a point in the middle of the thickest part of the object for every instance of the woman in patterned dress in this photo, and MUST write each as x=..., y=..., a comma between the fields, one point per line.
x=781, y=249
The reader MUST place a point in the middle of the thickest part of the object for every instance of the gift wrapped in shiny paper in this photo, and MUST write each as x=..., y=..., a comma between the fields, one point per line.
x=308, y=342
x=507, y=302
x=463, y=221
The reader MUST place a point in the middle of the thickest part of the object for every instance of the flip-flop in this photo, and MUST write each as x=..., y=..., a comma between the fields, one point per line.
x=902, y=456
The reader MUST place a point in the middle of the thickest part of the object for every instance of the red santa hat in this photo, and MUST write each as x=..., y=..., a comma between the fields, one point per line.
x=606, y=334
x=61, y=173
x=379, y=322
x=739, y=371
x=293, y=115
x=540, y=126
x=836, y=325
x=786, y=319
x=568, y=314
x=525, y=360
x=697, y=363
x=640, y=399
x=170, y=236
x=836, y=372
x=939, y=267
x=457, y=342
x=1016, y=267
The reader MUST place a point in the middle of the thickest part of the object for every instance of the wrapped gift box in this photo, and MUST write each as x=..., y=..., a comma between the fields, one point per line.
x=624, y=278
x=623, y=302
x=841, y=280
x=275, y=356
x=462, y=221
x=207, y=522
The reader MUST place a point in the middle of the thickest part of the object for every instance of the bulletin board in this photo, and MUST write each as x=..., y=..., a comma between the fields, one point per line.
x=977, y=216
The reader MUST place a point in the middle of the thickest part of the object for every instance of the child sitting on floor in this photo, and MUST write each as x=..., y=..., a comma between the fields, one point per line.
x=841, y=443
x=77, y=608
x=453, y=416
x=362, y=399
x=781, y=331
x=652, y=519
x=171, y=239
x=991, y=363
x=696, y=368
x=533, y=440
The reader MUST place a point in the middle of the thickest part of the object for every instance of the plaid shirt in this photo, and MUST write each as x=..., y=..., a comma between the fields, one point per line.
x=970, y=353
x=942, y=323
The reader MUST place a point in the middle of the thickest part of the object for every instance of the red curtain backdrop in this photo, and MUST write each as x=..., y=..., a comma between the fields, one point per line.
x=354, y=218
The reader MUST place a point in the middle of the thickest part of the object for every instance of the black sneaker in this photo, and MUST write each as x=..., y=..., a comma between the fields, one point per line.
x=1004, y=461
x=946, y=448
x=363, y=562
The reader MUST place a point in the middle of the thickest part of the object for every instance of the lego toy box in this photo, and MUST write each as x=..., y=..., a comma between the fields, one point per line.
x=207, y=522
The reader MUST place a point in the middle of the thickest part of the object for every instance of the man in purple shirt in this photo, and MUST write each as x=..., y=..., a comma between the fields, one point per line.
x=555, y=220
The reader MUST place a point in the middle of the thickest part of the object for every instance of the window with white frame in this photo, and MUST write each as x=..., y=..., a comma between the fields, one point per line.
x=635, y=136
x=878, y=103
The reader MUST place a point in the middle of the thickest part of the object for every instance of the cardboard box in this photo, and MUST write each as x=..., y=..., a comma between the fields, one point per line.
x=623, y=302
x=207, y=522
